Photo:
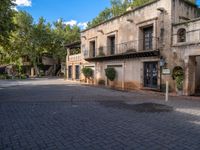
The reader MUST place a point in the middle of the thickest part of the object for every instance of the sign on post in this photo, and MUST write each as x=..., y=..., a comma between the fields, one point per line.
x=166, y=71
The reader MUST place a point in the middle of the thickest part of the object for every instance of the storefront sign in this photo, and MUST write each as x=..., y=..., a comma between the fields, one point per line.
x=166, y=71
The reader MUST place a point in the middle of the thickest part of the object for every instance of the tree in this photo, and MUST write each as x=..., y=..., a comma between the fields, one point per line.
x=61, y=35
x=35, y=39
x=103, y=16
x=27, y=39
x=6, y=21
x=137, y=3
x=118, y=7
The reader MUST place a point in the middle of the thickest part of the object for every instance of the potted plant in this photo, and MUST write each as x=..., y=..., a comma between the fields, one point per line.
x=111, y=75
x=88, y=73
x=179, y=84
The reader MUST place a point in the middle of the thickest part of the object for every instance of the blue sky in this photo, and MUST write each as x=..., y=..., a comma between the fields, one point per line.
x=71, y=11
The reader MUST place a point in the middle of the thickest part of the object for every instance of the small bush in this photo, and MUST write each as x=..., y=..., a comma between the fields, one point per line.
x=110, y=73
x=87, y=72
x=3, y=76
x=178, y=76
x=179, y=82
x=23, y=76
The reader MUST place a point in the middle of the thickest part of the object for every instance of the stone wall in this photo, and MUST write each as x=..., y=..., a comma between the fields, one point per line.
x=161, y=15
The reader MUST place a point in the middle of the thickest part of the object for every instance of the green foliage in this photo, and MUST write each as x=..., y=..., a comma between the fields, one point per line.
x=179, y=82
x=103, y=16
x=23, y=76
x=118, y=7
x=34, y=39
x=137, y=3
x=6, y=21
x=3, y=76
x=87, y=72
x=61, y=35
x=178, y=75
x=177, y=71
x=111, y=73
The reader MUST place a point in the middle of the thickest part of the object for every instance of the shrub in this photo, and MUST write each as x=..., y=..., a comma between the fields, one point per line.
x=110, y=73
x=87, y=72
x=177, y=71
x=178, y=76
x=179, y=82
x=23, y=76
x=3, y=76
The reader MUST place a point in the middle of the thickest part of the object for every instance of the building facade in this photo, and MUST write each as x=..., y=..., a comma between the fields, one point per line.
x=143, y=41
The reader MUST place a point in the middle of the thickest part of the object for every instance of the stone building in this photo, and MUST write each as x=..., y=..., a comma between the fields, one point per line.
x=74, y=62
x=186, y=52
x=143, y=41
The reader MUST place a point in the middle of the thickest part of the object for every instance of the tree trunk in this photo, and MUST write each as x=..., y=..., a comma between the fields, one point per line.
x=36, y=69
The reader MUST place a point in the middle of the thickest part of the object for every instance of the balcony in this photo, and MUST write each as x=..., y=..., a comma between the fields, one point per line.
x=131, y=49
x=76, y=57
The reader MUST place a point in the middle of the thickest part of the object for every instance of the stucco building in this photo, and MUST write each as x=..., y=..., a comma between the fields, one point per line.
x=143, y=41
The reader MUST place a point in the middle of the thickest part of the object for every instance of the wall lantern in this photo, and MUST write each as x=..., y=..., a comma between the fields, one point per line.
x=162, y=61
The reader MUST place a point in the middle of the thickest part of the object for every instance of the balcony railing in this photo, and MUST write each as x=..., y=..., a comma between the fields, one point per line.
x=125, y=48
x=76, y=57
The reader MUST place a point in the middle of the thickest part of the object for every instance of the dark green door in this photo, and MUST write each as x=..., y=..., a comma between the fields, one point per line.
x=151, y=74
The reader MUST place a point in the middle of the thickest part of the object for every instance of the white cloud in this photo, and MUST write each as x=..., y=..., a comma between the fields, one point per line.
x=82, y=25
x=71, y=22
x=26, y=3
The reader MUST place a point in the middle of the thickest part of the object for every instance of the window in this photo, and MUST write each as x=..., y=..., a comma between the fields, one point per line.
x=181, y=35
x=92, y=49
x=148, y=38
x=111, y=45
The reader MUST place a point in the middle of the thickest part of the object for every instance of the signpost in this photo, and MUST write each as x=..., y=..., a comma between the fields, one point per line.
x=166, y=71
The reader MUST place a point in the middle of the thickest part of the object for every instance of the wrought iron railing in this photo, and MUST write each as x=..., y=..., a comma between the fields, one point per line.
x=125, y=48
x=76, y=57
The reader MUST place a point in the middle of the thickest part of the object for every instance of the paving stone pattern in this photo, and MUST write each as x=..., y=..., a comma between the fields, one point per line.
x=66, y=116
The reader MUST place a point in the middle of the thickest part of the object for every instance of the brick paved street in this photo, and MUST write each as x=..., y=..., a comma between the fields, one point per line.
x=52, y=114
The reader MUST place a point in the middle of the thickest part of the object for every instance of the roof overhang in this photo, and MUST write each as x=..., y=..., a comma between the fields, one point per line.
x=76, y=44
x=142, y=54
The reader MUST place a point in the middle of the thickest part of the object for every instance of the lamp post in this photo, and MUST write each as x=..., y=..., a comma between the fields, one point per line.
x=162, y=64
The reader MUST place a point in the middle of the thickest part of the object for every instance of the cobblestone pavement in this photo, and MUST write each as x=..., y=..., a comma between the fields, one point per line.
x=56, y=115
